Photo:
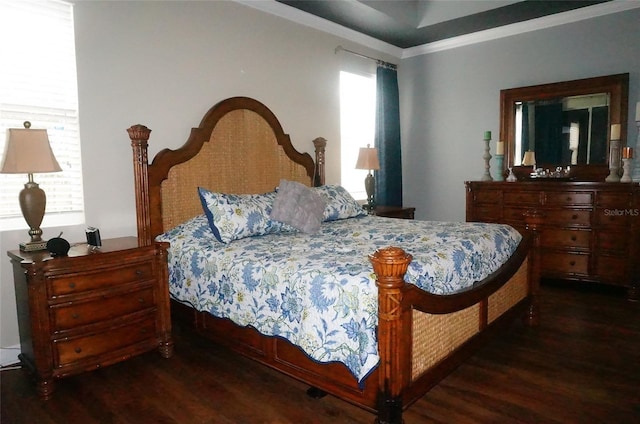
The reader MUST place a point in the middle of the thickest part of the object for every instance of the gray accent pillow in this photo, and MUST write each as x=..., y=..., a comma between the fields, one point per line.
x=299, y=206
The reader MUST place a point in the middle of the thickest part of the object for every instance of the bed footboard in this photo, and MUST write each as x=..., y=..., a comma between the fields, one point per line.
x=423, y=337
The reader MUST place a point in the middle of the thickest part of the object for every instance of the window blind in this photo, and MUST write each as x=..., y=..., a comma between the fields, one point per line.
x=38, y=84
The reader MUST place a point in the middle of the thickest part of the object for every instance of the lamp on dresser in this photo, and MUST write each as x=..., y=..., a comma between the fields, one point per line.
x=368, y=159
x=28, y=152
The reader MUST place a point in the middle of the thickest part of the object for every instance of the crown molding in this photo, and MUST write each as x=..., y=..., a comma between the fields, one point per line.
x=544, y=22
x=303, y=18
x=321, y=24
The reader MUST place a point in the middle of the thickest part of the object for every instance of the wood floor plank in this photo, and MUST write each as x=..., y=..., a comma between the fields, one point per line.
x=581, y=365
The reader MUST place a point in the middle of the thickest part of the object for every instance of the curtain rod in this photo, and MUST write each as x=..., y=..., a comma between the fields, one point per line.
x=378, y=61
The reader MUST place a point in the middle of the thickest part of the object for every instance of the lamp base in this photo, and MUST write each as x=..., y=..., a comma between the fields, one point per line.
x=33, y=246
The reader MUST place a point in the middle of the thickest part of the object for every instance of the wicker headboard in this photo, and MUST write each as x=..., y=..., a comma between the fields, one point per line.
x=239, y=148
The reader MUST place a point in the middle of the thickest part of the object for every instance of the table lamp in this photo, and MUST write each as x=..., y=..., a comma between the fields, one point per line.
x=368, y=159
x=28, y=152
x=529, y=158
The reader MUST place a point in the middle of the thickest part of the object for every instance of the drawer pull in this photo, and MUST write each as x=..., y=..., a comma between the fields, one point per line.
x=140, y=300
x=72, y=285
x=573, y=238
x=574, y=216
x=78, y=350
x=75, y=315
x=572, y=263
x=139, y=272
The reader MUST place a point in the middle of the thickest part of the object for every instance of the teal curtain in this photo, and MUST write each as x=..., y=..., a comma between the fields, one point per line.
x=387, y=138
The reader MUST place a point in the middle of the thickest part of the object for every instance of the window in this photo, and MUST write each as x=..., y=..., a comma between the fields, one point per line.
x=357, y=127
x=38, y=84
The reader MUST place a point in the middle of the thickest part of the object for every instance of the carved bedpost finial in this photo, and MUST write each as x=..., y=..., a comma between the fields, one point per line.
x=139, y=133
x=320, y=145
x=390, y=265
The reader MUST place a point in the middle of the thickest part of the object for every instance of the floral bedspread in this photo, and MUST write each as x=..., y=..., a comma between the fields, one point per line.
x=318, y=291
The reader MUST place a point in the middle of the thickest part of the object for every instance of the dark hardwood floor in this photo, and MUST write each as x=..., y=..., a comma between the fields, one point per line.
x=581, y=365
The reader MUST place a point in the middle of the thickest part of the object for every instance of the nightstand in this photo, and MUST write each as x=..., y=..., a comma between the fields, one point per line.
x=92, y=308
x=394, y=212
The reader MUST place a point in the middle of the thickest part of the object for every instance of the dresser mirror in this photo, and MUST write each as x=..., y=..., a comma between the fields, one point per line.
x=565, y=124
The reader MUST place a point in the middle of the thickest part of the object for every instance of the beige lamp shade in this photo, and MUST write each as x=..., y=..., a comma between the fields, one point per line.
x=368, y=158
x=28, y=151
x=529, y=158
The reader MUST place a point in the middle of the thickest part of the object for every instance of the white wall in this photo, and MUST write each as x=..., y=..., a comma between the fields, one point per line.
x=164, y=64
x=448, y=99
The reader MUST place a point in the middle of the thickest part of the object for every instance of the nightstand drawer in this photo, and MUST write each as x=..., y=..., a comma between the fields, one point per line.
x=84, y=281
x=100, y=309
x=68, y=351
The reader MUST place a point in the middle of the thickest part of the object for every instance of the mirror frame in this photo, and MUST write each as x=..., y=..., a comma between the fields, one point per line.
x=617, y=86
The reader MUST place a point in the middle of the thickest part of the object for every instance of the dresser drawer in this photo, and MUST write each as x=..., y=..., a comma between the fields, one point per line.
x=614, y=217
x=522, y=197
x=83, y=281
x=68, y=351
x=565, y=263
x=614, y=200
x=487, y=196
x=568, y=217
x=611, y=269
x=612, y=242
x=100, y=309
x=487, y=213
x=569, y=198
x=566, y=238
x=514, y=214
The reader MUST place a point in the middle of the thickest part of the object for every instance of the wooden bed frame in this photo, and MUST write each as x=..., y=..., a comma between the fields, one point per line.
x=240, y=147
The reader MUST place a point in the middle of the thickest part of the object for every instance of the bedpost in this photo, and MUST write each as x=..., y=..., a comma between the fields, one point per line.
x=139, y=135
x=318, y=177
x=533, y=220
x=390, y=264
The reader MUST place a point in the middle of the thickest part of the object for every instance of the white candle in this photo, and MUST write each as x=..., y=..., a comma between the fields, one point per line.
x=615, y=132
x=500, y=148
x=638, y=112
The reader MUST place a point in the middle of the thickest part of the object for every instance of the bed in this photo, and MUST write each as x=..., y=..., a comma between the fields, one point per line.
x=240, y=149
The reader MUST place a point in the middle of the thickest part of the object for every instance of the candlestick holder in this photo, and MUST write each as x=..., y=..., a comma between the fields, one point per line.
x=635, y=176
x=487, y=159
x=626, y=170
x=499, y=161
x=614, y=162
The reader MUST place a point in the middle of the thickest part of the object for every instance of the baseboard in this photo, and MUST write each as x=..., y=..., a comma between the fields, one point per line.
x=9, y=355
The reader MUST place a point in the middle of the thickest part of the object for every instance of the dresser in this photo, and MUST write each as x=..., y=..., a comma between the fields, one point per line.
x=590, y=231
x=92, y=308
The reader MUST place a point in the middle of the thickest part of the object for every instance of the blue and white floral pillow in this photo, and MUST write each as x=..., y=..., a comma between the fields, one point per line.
x=236, y=216
x=340, y=204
